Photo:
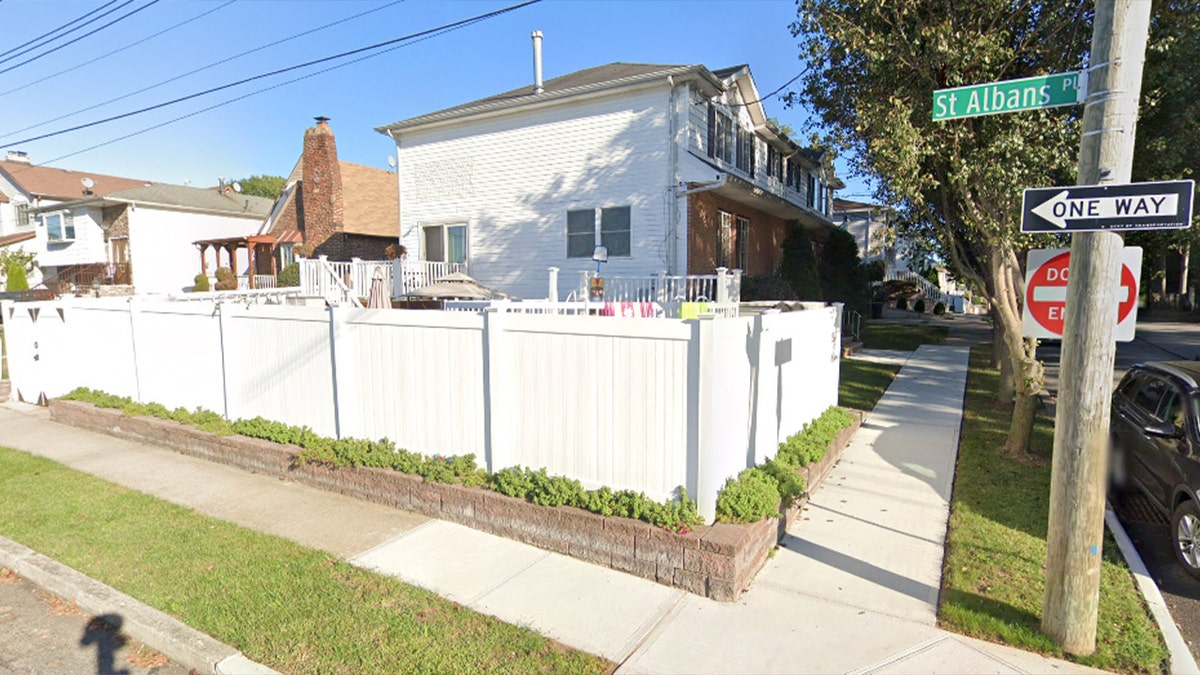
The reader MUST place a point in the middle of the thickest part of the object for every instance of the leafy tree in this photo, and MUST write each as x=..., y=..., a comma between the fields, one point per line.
x=843, y=277
x=873, y=68
x=798, y=265
x=1168, y=131
x=16, y=280
x=263, y=186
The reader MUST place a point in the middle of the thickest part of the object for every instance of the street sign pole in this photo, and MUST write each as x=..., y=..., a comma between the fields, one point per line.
x=1077, y=490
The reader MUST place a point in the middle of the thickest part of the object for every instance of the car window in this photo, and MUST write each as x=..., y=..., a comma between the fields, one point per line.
x=1150, y=394
x=1172, y=408
x=1129, y=385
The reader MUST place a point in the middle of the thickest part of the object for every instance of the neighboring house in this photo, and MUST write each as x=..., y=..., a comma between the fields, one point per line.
x=63, y=238
x=149, y=231
x=672, y=168
x=871, y=225
x=337, y=209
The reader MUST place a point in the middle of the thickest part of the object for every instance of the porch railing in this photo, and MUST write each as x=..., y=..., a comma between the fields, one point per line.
x=321, y=278
x=90, y=274
x=723, y=287
x=926, y=288
x=410, y=275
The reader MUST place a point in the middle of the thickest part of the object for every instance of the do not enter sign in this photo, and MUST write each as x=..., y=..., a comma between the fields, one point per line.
x=1046, y=277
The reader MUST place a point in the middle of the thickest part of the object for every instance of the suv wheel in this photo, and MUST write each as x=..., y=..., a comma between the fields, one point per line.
x=1185, y=530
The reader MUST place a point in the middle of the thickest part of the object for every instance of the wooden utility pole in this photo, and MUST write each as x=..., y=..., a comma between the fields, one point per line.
x=1077, y=487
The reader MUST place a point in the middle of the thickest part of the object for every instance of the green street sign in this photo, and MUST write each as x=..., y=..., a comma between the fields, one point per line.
x=1029, y=93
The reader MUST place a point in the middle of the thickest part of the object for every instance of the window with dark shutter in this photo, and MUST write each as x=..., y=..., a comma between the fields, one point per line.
x=712, y=131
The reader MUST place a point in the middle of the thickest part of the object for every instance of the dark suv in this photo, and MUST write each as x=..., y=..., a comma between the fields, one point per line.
x=1156, y=446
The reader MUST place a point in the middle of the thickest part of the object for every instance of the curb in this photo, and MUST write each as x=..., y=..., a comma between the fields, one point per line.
x=185, y=645
x=1182, y=660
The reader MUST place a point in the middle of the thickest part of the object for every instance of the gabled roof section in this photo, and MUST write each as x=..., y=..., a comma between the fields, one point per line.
x=851, y=205
x=370, y=204
x=600, y=78
x=62, y=184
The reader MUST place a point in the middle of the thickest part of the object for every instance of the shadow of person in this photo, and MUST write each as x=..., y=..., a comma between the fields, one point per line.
x=104, y=631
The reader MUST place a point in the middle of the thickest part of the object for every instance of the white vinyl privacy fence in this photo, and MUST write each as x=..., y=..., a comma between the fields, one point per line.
x=639, y=404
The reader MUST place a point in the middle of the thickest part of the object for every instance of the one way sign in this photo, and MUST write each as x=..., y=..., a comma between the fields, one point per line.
x=1136, y=206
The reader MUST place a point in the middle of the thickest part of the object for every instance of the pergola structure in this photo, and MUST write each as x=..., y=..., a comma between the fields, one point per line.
x=231, y=245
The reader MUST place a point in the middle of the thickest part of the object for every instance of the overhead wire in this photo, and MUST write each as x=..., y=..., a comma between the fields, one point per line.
x=81, y=26
x=411, y=39
x=43, y=80
x=199, y=70
x=272, y=73
x=81, y=37
x=63, y=26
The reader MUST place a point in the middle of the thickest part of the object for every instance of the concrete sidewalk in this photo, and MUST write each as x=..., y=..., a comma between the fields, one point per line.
x=853, y=589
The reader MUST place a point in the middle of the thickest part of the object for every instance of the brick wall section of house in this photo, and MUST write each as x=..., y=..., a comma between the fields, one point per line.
x=322, y=187
x=717, y=561
x=766, y=233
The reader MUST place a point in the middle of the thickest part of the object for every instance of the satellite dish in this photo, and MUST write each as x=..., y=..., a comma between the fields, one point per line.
x=187, y=181
x=391, y=161
x=237, y=187
x=88, y=183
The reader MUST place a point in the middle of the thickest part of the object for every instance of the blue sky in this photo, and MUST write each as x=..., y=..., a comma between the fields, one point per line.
x=262, y=133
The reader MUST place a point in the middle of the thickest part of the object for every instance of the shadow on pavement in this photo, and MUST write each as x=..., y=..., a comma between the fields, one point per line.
x=104, y=631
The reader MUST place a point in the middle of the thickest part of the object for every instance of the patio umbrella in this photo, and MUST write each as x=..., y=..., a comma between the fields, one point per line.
x=378, y=297
x=457, y=286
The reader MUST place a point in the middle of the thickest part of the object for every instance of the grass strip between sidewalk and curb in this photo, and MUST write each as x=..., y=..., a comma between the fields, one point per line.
x=993, y=580
x=901, y=336
x=862, y=383
x=284, y=605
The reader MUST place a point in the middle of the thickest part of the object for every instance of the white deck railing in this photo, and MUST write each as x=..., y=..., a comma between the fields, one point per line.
x=259, y=296
x=328, y=280
x=410, y=275
x=927, y=289
x=723, y=287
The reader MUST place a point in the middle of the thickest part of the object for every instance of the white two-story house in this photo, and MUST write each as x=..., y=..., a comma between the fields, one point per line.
x=671, y=168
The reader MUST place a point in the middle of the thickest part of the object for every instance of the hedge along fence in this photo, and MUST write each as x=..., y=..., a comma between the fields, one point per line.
x=619, y=529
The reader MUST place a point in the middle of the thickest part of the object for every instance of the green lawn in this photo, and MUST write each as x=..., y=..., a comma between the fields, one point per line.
x=905, y=337
x=289, y=607
x=862, y=383
x=993, y=580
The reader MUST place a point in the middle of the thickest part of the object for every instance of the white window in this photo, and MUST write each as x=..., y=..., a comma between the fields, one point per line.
x=286, y=255
x=724, y=237
x=741, y=239
x=59, y=226
x=445, y=243
x=609, y=227
x=23, y=215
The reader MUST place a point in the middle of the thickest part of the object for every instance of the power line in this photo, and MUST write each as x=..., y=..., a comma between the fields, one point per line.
x=81, y=37
x=448, y=28
x=198, y=70
x=27, y=43
x=279, y=71
x=47, y=41
x=42, y=80
x=777, y=90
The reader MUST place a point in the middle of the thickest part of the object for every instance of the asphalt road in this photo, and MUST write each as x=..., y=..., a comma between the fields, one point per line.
x=41, y=633
x=1147, y=527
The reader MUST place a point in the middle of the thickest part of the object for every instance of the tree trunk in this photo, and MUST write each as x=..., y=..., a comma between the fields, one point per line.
x=1162, y=278
x=1020, y=353
x=1184, y=254
x=1002, y=360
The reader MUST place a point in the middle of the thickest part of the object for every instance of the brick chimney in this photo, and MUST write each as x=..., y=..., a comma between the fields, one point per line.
x=322, y=189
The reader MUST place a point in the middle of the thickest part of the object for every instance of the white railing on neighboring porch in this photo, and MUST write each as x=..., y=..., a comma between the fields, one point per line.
x=723, y=287
x=410, y=275
x=926, y=288
x=328, y=280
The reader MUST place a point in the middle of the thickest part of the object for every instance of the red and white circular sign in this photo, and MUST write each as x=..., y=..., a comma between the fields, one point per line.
x=1046, y=293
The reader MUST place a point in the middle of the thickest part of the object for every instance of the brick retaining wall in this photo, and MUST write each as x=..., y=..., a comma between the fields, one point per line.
x=718, y=561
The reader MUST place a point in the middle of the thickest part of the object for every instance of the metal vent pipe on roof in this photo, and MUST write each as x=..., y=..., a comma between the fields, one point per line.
x=537, y=61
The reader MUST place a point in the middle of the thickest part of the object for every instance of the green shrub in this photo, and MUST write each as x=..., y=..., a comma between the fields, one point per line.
x=901, y=303
x=787, y=479
x=939, y=309
x=919, y=306
x=16, y=279
x=226, y=279
x=535, y=486
x=798, y=265
x=749, y=498
x=289, y=276
x=202, y=285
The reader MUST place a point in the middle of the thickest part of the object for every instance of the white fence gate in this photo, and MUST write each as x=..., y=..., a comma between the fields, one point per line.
x=638, y=404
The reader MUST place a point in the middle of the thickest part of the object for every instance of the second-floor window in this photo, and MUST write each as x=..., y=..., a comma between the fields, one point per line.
x=23, y=215
x=720, y=135
x=59, y=227
x=745, y=151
